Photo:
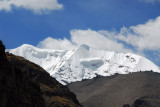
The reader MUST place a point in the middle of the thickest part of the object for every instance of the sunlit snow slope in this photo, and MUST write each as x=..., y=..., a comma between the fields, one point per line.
x=84, y=62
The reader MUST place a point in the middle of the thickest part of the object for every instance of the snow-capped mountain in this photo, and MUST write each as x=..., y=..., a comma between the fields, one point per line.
x=84, y=62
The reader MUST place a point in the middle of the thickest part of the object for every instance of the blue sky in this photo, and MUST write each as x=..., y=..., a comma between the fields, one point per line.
x=115, y=20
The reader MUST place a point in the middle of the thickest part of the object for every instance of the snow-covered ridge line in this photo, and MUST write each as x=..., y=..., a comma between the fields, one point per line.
x=83, y=63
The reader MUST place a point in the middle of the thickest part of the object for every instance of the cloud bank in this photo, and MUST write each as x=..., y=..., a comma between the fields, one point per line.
x=78, y=37
x=141, y=38
x=97, y=40
x=37, y=6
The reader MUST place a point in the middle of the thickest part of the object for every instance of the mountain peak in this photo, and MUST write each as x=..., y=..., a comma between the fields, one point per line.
x=85, y=62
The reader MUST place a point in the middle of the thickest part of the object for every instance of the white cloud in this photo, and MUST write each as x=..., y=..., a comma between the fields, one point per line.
x=38, y=6
x=78, y=37
x=144, y=36
x=97, y=40
x=57, y=44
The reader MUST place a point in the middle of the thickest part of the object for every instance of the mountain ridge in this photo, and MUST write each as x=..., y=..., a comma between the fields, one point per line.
x=84, y=62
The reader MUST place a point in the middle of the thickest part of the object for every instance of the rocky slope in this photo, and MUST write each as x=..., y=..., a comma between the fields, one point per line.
x=16, y=90
x=131, y=90
x=25, y=84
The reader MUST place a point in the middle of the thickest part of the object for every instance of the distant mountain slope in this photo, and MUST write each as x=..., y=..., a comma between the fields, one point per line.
x=84, y=63
x=131, y=90
x=25, y=84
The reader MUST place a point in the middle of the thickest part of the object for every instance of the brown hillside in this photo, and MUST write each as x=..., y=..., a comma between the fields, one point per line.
x=25, y=84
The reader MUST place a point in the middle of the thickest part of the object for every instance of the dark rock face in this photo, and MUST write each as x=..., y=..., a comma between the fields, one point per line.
x=140, y=89
x=25, y=84
x=53, y=92
x=2, y=53
x=16, y=90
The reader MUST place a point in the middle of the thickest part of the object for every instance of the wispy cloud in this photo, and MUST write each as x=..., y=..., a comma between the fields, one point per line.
x=37, y=6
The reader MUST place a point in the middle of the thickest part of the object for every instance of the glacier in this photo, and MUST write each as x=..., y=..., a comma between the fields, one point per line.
x=84, y=62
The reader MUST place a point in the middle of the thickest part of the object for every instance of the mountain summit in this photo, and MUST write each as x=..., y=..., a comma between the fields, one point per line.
x=84, y=62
